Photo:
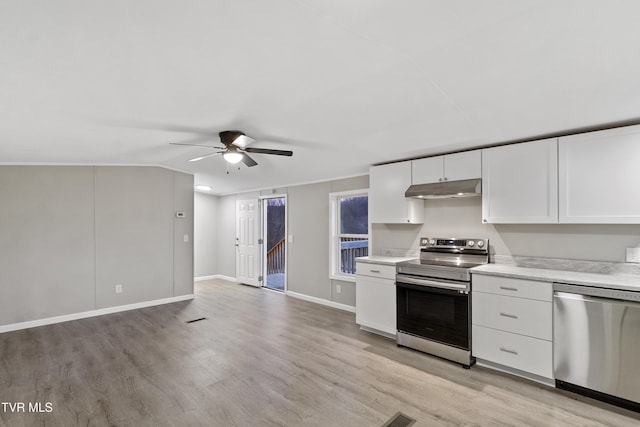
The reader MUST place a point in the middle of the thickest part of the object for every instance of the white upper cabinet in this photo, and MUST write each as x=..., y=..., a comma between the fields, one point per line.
x=520, y=183
x=599, y=174
x=387, y=204
x=451, y=167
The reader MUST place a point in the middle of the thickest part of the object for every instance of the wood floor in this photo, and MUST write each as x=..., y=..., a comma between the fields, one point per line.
x=260, y=358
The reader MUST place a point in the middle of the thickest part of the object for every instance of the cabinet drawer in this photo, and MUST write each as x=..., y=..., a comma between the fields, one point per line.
x=376, y=270
x=508, y=286
x=518, y=315
x=516, y=351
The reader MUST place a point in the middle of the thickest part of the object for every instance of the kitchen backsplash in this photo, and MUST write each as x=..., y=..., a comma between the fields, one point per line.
x=399, y=252
x=600, y=267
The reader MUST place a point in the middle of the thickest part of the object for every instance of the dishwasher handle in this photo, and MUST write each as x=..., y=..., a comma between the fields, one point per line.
x=596, y=292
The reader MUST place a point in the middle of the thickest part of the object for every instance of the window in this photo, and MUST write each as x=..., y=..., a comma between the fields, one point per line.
x=349, y=232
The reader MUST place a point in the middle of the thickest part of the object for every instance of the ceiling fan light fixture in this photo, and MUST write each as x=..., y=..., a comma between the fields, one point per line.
x=232, y=157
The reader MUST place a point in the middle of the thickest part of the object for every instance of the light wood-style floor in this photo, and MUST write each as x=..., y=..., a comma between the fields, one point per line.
x=260, y=358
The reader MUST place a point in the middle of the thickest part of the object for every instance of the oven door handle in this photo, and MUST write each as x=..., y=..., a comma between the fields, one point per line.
x=401, y=278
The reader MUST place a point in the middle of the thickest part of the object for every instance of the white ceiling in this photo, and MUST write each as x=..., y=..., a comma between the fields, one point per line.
x=344, y=84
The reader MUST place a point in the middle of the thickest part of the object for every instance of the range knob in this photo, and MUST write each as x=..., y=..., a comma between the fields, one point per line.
x=471, y=243
x=480, y=243
x=432, y=242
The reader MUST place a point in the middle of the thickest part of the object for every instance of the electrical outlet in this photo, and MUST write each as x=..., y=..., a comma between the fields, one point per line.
x=338, y=289
x=185, y=238
x=118, y=289
x=633, y=255
x=290, y=239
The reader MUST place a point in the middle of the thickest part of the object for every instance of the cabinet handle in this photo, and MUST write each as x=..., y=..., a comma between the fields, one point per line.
x=511, y=316
x=484, y=220
x=375, y=271
x=508, y=350
x=445, y=178
x=440, y=179
x=507, y=288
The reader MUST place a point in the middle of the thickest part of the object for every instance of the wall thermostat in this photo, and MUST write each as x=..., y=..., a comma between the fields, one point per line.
x=179, y=214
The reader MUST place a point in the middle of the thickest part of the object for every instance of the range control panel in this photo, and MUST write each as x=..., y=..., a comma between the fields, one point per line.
x=453, y=243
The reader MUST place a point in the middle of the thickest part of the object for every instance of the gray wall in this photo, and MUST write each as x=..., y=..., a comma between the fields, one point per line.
x=183, y=201
x=47, y=263
x=308, y=223
x=227, y=235
x=308, y=255
x=205, y=236
x=463, y=218
x=69, y=234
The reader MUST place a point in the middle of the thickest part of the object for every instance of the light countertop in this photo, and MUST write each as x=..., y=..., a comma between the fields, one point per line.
x=384, y=260
x=613, y=281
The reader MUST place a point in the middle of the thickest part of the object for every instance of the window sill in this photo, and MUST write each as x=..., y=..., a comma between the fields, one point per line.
x=343, y=277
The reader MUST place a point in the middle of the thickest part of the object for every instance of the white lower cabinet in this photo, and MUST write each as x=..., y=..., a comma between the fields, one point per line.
x=512, y=323
x=513, y=350
x=376, y=297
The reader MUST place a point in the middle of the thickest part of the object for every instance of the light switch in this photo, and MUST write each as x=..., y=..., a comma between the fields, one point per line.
x=290, y=240
x=633, y=255
x=185, y=238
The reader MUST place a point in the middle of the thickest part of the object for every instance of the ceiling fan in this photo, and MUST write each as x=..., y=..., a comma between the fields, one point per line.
x=236, y=148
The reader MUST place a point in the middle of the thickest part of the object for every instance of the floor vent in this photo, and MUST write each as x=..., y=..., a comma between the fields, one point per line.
x=196, y=320
x=399, y=420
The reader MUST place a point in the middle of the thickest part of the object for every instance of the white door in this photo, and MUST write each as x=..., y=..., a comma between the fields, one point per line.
x=247, y=224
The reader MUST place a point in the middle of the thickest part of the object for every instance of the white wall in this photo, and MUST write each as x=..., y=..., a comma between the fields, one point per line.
x=463, y=218
x=69, y=234
x=205, y=239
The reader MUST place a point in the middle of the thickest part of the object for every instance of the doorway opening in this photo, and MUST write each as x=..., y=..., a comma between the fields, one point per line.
x=275, y=242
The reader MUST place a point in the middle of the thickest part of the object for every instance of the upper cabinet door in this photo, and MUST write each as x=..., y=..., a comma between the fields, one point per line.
x=427, y=170
x=451, y=167
x=387, y=204
x=459, y=166
x=599, y=174
x=520, y=183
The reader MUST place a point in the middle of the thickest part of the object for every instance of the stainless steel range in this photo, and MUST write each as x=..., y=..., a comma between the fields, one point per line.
x=434, y=300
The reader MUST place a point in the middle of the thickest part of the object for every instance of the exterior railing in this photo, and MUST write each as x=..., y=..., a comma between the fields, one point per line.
x=350, y=249
x=275, y=258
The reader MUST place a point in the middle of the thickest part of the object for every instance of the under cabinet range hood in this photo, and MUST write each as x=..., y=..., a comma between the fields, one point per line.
x=446, y=189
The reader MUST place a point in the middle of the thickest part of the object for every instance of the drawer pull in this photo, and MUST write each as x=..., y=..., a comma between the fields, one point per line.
x=508, y=288
x=511, y=316
x=375, y=271
x=508, y=350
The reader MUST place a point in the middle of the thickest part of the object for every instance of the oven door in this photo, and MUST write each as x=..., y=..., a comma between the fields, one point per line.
x=435, y=310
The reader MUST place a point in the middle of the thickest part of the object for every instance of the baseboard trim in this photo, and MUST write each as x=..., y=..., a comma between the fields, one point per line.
x=92, y=313
x=215, y=276
x=321, y=301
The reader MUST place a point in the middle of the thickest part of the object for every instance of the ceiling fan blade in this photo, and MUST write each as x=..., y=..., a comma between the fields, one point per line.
x=195, y=159
x=228, y=136
x=195, y=145
x=248, y=160
x=269, y=151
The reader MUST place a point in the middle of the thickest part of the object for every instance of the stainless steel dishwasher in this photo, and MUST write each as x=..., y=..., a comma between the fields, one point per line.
x=596, y=340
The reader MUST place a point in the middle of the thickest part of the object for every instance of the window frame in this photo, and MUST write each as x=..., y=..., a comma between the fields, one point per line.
x=335, y=235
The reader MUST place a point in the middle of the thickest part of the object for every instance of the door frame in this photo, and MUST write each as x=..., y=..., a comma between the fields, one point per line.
x=263, y=249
